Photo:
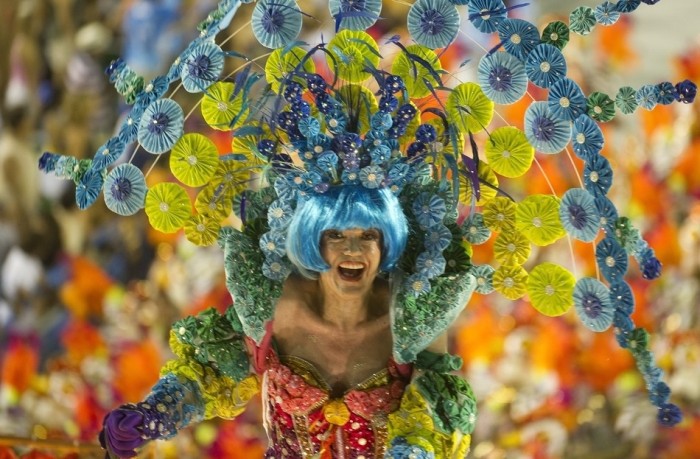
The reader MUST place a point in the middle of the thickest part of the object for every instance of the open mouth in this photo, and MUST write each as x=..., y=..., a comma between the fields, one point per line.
x=351, y=270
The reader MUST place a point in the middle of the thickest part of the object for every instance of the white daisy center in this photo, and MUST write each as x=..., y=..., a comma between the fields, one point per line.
x=545, y=67
x=164, y=207
x=564, y=102
x=515, y=38
x=581, y=138
x=537, y=222
x=594, y=176
x=549, y=290
x=610, y=261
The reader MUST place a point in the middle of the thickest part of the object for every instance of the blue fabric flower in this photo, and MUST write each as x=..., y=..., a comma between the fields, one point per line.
x=202, y=67
x=354, y=15
x=612, y=259
x=371, y=176
x=437, y=237
x=273, y=243
x=401, y=449
x=593, y=305
x=286, y=186
x=275, y=268
x=88, y=188
x=154, y=90
x=276, y=23
x=579, y=215
x=429, y=209
x=128, y=132
x=627, y=6
x=544, y=131
x=647, y=96
x=649, y=264
x=566, y=100
x=380, y=122
x=518, y=36
x=622, y=297
x=624, y=323
x=350, y=177
x=430, y=264
x=484, y=278
x=626, y=100
x=587, y=138
x=279, y=214
x=108, y=153
x=659, y=394
x=606, y=14
x=380, y=154
x=686, y=91
x=667, y=93
x=161, y=126
x=328, y=163
x=399, y=174
x=309, y=127
x=474, y=230
x=485, y=15
x=502, y=78
x=545, y=65
x=669, y=415
x=608, y=214
x=417, y=284
x=597, y=176
x=125, y=189
x=433, y=23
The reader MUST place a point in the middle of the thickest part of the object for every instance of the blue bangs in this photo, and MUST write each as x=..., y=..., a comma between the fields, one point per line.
x=344, y=208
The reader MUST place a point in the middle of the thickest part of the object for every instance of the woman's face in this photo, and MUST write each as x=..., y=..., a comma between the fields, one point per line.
x=354, y=256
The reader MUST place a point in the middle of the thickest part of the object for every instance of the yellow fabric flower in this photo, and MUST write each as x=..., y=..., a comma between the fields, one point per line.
x=283, y=62
x=508, y=152
x=202, y=229
x=226, y=399
x=499, y=214
x=214, y=202
x=352, y=51
x=167, y=207
x=469, y=108
x=511, y=248
x=194, y=159
x=510, y=281
x=537, y=217
x=414, y=74
x=551, y=289
x=219, y=110
x=486, y=193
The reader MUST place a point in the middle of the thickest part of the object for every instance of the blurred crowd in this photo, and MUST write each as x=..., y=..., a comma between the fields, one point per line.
x=87, y=299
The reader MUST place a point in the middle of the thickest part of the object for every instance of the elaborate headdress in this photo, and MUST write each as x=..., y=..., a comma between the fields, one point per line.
x=376, y=110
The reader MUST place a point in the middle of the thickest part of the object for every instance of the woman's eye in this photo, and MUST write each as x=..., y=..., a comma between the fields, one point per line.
x=334, y=235
x=370, y=236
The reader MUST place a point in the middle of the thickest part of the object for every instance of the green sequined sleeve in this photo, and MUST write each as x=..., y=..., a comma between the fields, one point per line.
x=254, y=294
x=437, y=412
x=211, y=352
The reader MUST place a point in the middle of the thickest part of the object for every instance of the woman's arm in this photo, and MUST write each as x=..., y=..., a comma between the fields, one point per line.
x=437, y=412
x=210, y=377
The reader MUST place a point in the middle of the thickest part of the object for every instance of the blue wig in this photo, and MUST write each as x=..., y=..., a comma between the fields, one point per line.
x=342, y=208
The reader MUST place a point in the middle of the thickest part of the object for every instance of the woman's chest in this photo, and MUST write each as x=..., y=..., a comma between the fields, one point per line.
x=341, y=359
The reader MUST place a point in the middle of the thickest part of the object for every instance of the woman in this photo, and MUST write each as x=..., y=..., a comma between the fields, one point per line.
x=331, y=386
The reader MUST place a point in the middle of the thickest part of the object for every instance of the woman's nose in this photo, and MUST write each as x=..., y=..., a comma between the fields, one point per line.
x=352, y=245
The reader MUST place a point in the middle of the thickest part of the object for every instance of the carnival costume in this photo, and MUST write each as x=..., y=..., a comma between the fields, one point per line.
x=335, y=115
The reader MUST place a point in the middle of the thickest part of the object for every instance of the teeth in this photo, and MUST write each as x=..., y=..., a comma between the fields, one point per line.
x=351, y=265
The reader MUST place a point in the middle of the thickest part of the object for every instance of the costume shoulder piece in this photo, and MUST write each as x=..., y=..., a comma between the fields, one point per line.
x=404, y=110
